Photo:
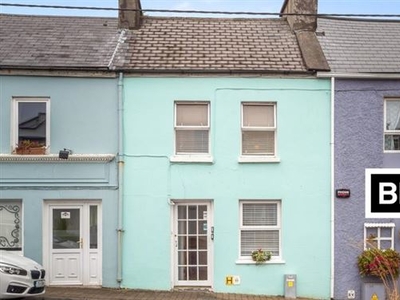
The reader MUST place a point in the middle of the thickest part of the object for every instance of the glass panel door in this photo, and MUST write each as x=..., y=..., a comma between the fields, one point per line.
x=66, y=244
x=66, y=228
x=192, y=245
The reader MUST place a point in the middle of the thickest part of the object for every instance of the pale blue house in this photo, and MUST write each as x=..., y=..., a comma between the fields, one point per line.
x=364, y=56
x=227, y=151
x=57, y=93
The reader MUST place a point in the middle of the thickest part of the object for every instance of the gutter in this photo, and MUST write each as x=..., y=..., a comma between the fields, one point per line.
x=219, y=72
x=120, y=162
x=358, y=75
x=332, y=187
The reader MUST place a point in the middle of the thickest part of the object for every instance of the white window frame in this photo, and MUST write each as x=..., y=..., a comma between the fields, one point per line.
x=14, y=119
x=192, y=157
x=387, y=132
x=252, y=158
x=278, y=227
x=379, y=238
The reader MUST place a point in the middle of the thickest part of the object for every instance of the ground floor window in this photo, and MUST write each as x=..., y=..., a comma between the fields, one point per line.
x=260, y=227
x=379, y=235
x=10, y=225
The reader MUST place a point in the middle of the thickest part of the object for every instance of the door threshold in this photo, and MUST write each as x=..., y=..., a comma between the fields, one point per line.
x=192, y=288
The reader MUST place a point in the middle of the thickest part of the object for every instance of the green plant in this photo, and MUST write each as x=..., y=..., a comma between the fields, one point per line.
x=260, y=256
x=380, y=263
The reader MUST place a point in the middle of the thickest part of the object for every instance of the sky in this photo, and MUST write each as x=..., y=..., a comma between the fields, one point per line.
x=384, y=7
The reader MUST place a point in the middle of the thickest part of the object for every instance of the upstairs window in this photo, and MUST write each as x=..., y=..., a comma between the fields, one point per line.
x=260, y=227
x=192, y=128
x=31, y=126
x=258, y=129
x=392, y=125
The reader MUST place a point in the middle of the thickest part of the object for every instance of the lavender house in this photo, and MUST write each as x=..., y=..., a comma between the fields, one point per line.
x=364, y=56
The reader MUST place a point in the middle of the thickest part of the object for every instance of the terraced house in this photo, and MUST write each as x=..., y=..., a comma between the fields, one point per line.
x=227, y=151
x=195, y=142
x=364, y=56
x=58, y=93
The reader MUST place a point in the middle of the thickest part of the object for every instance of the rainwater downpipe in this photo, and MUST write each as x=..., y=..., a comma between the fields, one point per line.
x=120, y=161
x=332, y=187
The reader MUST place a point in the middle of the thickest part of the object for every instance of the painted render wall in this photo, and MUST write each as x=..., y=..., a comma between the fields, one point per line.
x=359, y=115
x=84, y=119
x=301, y=180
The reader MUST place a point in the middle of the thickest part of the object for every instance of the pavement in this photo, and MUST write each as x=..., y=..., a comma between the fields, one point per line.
x=82, y=293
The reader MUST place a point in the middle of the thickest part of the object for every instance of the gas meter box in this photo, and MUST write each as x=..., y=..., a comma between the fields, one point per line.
x=373, y=291
x=290, y=286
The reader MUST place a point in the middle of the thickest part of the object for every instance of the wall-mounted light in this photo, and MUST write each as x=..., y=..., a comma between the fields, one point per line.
x=63, y=154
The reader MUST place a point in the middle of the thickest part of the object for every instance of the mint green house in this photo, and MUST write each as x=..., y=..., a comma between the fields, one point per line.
x=226, y=151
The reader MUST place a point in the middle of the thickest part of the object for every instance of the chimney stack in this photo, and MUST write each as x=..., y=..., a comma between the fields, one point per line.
x=130, y=14
x=308, y=23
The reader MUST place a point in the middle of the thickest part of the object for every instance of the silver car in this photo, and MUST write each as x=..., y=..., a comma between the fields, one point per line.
x=20, y=276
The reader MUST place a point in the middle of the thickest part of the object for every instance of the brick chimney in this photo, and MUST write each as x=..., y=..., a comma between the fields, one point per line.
x=301, y=7
x=130, y=14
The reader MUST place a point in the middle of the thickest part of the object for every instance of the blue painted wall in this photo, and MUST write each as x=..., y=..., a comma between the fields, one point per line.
x=359, y=114
x=301, y=180
x=84, y=118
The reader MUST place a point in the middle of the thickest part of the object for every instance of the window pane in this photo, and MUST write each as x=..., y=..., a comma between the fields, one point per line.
x=386, y=244
x=392, y=142
x=192, y=115
x=392, y=115
x=32, y=122
x=10, y=225
x=258, y=142
x=258, y=116
x=191, y=141
x=66, y=228
x=252, y=240
x=262, y=214
x=93, y=227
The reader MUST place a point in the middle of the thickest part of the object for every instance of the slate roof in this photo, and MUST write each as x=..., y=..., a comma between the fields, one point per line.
x=360, y=46
x=161, y=44
x=173, y=44
x=57, y=42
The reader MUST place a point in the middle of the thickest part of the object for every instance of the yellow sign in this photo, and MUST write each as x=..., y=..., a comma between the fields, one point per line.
x=290, y=283
x=229, y=280
x=374, y=297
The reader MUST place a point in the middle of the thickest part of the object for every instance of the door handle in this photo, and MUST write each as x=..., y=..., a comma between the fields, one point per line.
x=80, y=242
x=212, y=233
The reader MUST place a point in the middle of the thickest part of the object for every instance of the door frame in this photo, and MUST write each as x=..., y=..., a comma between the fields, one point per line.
x=210, y=226
x=86, y=257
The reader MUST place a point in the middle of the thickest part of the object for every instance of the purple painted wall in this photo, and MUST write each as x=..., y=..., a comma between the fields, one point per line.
x=358, y=145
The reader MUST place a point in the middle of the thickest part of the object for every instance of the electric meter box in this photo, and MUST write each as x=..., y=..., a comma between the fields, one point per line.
x=373, y=291
x=290, y=286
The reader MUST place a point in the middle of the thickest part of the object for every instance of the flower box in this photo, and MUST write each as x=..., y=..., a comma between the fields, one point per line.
x=29, y=147
x=31, y=151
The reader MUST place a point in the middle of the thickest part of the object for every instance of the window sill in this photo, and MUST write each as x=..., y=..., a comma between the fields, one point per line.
x=258, y=159
x=85, y=158
x=192, y=159
x=273, y=261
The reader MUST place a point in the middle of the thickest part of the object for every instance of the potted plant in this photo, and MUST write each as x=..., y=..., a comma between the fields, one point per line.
x=260, y=256
x=379, y=263
x=384, y=265
x=30, y=147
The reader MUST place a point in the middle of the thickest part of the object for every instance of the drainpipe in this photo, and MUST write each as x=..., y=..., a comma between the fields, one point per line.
x=332, y=187
x=120, y=158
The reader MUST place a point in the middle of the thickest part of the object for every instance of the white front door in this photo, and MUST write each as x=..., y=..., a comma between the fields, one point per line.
x=73, y=248
x=193, y=235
